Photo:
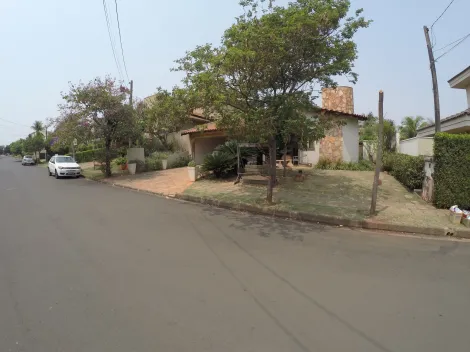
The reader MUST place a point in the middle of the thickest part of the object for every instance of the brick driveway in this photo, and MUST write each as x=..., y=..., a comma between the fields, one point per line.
x=168, y=182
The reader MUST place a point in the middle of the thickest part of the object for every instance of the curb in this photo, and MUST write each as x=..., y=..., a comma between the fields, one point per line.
x=329, y=220
x=367, y=224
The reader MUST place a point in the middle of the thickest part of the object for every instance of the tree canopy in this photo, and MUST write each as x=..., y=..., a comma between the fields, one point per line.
x=410, y=126
x=261, y=81
x=97, y=109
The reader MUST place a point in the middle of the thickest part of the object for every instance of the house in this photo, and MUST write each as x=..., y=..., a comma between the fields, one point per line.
x=457, y=123
x=341, y=143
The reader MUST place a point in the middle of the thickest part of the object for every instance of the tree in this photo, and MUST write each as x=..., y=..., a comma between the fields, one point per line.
x=369, y=130
x=98, y=108
x=165, y=113
x=16, y=147
x=34, y=143
x=38, y=127
x=7, y=149
x=260, y=82
x=410, y=125
x=2, y=149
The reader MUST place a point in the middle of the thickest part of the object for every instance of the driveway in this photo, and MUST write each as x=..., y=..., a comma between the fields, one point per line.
x=88, y=267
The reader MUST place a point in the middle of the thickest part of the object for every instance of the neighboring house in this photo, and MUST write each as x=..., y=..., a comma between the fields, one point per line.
x=457, y=123
x=341, y=143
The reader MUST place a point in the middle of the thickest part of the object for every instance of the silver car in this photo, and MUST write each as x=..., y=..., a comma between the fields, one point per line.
x=28, y=160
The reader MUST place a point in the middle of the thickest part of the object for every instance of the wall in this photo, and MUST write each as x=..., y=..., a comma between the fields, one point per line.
x=310, y=156
x=338, y=99
x=135, y=154
x=182, y=143
x=351, y=141
x=417, y=146
x=205, y=145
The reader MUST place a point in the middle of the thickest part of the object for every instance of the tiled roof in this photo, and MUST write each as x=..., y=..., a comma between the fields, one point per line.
x=211, y=127
x=208, y=127
x=460, y=114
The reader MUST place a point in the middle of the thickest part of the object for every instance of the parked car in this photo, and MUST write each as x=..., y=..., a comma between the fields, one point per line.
x=63, y=166
x=28, y=160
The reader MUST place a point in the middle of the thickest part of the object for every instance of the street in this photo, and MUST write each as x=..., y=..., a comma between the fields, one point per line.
x=89, y=267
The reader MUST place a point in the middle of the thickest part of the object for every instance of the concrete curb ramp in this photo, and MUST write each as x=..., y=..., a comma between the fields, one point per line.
x=368, y=224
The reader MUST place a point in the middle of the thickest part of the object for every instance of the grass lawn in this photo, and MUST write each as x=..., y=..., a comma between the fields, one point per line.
x=344, y=194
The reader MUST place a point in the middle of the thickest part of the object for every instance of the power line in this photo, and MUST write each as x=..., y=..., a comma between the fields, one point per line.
x=446, y=46
x=456, y=45
x=16, y=123
x=120, y=39
x=442, y=14
x=112, y=41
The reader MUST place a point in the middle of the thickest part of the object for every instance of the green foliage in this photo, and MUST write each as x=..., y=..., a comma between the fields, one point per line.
x=89, y=155
x=327, y=164
x=120, y=161
x=33, y=144
x=181, y=161
x=192, y=163
x=221, y=164
x=452, y=170
x=97, y=110
x=410, y=125
x=407, y=169
x=153, y=164
x=262, y=79
x=16, y=148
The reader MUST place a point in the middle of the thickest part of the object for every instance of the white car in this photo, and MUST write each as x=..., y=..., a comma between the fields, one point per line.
x=27, y=160
x=63, y=166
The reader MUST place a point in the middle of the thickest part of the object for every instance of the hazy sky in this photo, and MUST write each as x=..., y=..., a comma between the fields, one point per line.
x=47, y=43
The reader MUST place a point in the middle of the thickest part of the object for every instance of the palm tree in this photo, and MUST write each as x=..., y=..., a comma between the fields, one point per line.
x=38, y=127
x=410, y=126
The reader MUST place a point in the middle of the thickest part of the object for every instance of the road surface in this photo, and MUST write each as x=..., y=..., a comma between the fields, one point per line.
x=88, y=267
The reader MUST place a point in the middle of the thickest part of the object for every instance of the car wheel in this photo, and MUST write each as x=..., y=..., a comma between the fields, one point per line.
x=56, y=174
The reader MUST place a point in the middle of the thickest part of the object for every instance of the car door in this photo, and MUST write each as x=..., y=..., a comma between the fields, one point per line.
x=52, y=165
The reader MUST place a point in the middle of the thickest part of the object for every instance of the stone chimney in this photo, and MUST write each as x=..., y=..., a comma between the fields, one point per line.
x=338, y=99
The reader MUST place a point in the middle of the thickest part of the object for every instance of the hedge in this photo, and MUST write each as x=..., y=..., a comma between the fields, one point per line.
x=407, y=169
x=452, y=170
x=89, y=155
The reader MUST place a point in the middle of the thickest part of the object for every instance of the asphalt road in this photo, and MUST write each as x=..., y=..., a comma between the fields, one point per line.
x=88, y=267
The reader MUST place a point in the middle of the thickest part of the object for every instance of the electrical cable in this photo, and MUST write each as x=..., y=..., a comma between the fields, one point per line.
x=120, y=39
x=442, y=14
x=456, y=45
x=112, y=41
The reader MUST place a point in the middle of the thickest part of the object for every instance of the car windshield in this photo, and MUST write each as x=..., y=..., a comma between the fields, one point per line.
x=28, y=157
x=64, y=159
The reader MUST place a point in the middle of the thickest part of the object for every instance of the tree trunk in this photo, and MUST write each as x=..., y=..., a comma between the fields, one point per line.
x=107, y=158
x=284, y=161
x=272, y=169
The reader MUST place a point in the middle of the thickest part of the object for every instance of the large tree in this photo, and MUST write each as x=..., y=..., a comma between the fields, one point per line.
x=410, y=126
x=38, y=127
x=34, y=143
x=260, y=82
x=166, y=112
x=100, y=109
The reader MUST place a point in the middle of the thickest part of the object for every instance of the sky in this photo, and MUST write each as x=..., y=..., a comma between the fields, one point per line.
x=45, y=44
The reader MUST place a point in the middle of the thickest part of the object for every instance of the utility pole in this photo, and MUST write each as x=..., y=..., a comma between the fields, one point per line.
x=130, y=103
x=435, y=89
x=378, y=161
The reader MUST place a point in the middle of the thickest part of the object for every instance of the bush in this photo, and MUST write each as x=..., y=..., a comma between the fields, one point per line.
x=407, y=169
x=221, y=164
x=120, y=161
x=86, y=156
x=452, y=170
x=327, y=164
x=181, y=161
x=153, y=164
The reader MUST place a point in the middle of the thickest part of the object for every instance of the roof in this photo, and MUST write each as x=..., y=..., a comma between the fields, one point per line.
x=451, y=117
x=208, y=127
x=458, y=74
x=328, y=111
x=212, y=127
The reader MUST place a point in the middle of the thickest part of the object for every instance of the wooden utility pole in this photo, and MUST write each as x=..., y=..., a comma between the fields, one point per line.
x=131, y=102
x=435, y=89
x=378, y=161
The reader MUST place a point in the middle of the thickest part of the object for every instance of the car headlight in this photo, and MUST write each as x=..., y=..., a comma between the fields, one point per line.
x=60, y=167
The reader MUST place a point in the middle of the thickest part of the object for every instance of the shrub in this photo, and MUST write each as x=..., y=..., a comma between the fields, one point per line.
x=192, y=163
x=221, y=164
x=88, y=155
x=407, y=169
x=452, y=170
x=120, y=161
x=327, y=164
x=153, y=164
x=181, y=161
